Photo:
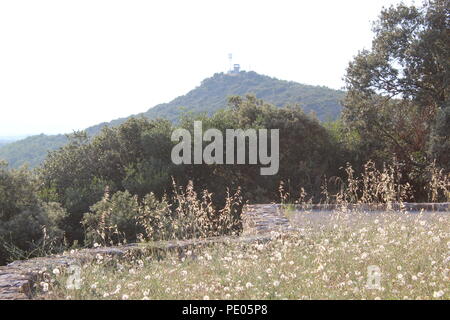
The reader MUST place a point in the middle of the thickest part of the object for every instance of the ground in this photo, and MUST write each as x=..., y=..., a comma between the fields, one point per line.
x=334, y=255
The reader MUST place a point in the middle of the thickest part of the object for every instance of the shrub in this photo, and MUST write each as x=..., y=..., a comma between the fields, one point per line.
x=112, y=219
x=124, y=218
x=28, y=227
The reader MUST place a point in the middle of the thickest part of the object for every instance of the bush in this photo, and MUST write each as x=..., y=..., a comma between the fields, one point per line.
x=113, y=219
x=28, y=227
x=124, y=218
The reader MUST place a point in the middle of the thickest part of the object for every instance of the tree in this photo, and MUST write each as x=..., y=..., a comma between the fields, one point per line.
x=306, y=150
x=398, y=92
x=133, y=156
x=27, y=225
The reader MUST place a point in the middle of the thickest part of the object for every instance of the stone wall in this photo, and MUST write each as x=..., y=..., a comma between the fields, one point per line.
x=18, y=278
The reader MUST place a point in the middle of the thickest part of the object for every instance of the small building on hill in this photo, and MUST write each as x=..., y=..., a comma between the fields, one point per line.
x=235, y=70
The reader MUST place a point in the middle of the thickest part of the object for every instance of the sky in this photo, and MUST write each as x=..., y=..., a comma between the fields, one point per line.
x=68, y=65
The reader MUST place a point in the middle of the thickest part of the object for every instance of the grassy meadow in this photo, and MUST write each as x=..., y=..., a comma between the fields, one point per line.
x=318, y=261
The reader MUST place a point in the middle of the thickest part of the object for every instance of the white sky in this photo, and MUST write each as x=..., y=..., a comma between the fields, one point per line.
x=67, y=65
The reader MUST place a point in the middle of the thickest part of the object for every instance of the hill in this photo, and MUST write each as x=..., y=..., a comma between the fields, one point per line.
x=210, y=96
x=31, y=150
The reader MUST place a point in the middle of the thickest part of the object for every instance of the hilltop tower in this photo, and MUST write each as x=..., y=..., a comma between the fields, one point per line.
x=233, y=68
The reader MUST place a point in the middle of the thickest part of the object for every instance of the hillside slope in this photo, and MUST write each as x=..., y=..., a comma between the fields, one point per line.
x=210, y=96
x=31, y=150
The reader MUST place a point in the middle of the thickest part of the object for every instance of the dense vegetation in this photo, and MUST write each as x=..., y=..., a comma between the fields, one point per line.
x=135, y=157
x=120, y=184
x=208, y=98
x=28, y=225
x=397, y=100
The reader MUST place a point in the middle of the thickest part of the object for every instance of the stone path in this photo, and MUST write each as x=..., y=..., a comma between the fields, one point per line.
x=265, y=218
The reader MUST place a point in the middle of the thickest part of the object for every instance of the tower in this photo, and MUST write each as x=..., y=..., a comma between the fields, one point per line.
x=230, y=59
x=233, y=68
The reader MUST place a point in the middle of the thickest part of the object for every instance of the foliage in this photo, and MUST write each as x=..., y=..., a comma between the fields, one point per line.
x=136, y=157
x=213, y=93
x=186, y=215
x=208, y=98
x=398, y=92
x=28, y=226
x=113, y=220
x=119, y=158
x=31, y=151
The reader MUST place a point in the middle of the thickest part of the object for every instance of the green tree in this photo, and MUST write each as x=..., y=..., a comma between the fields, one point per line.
x=398, y=91
x=134, y=156
x=27, y=225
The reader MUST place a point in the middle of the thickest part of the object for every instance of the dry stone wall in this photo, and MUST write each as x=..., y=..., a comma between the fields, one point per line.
x=18, y=278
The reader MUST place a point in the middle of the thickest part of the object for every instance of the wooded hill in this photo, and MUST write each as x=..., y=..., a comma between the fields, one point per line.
x=210, y=96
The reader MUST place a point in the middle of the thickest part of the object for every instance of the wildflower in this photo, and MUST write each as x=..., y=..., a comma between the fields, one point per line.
x=438, y=294
x=248, y=285
x=276, y=283
x=208, y=256
x=56, y=271
x=259, y=247
x=125, y=297
x=44, y=286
